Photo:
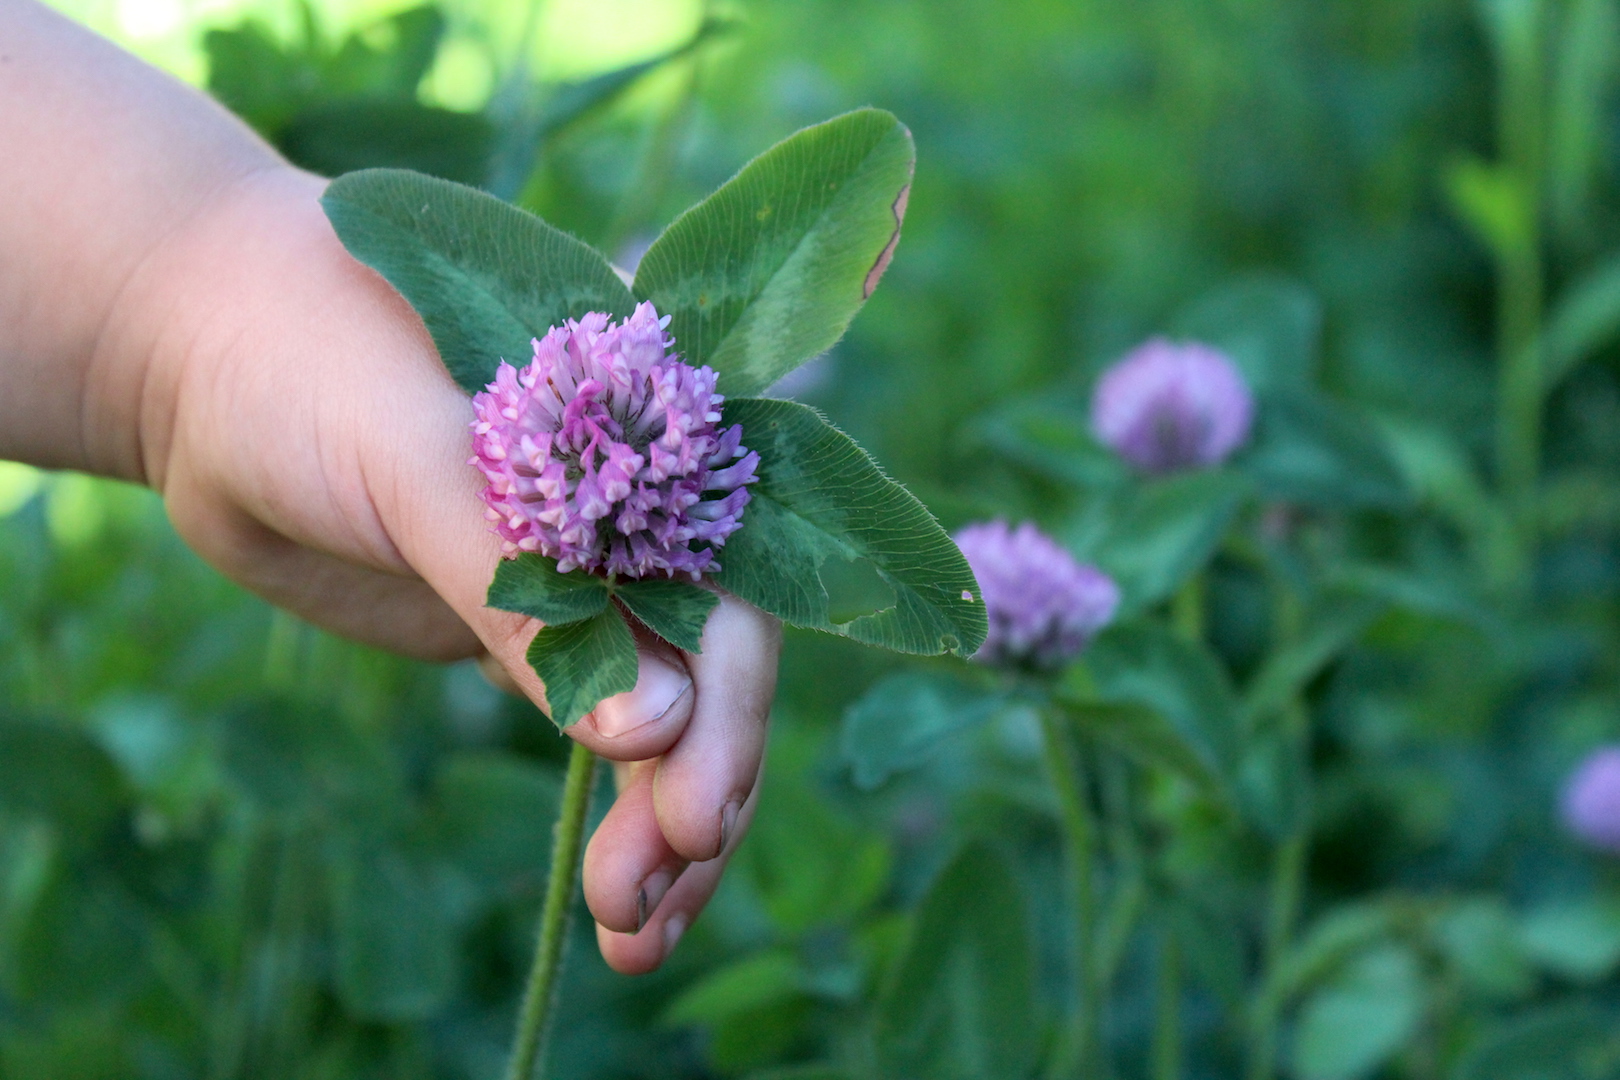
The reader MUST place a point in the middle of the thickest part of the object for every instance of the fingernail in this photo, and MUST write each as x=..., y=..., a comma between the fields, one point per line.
x=658, y=687
x=673, y=929
x=728, y=822
x=651, y=892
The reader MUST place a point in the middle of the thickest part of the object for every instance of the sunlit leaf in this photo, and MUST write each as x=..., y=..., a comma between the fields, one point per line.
x=583, y=662
x=530, y=585
x=674, y=610
x=485, y=277
x=769, y=270
x=820, y=498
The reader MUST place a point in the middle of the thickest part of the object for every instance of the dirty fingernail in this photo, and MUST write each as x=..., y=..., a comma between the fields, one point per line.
x=728, y=823
x=673, y=929
x=651, y=892
x=659, y=687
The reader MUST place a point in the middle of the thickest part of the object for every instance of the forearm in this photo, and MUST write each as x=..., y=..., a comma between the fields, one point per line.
x=102, y=160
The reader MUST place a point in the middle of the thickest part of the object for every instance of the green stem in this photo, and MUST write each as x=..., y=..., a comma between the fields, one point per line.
x=1129, y=877
x=1078, y=1044
x=1287, y=886
x=1167, y=1025
x=528, y=1046
x=1521, y=109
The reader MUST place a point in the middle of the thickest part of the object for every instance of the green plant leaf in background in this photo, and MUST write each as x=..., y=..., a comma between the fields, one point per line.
x=1148, y=736
x=820, y=499
x=960, y=1005
x=395, y=947
x=904, y=718
x=769, y=270
x=530, y=585
x=1577, y=940
x=674, y=610
x=1356, y=1022
x=1151, y=537
x=1311, y=449
x=583, y=662
x=1143, y=663
x=1571, y=1040
x=485, y=277
x=1268, y=324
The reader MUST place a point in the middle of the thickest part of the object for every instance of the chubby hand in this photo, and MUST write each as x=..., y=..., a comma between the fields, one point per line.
x=294, y=414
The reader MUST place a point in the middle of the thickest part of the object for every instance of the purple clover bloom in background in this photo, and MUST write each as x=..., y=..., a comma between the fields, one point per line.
x=605, y=453
x=1044, y=607
x=1169, y=406
x=1591, y=801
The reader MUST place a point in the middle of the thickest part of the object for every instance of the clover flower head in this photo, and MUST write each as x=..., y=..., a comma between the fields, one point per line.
x=1044, y=607
x=1170, y=406
x=606, y=453
x=1591, y=800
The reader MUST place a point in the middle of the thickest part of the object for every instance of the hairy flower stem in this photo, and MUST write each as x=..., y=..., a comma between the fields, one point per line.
x=1078, y=1053
x=528, y=1046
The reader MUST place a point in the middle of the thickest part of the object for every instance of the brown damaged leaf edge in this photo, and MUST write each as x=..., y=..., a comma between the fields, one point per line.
x=875, y=275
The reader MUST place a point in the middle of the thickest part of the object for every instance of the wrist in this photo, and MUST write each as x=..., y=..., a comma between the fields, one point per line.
x=181, y=306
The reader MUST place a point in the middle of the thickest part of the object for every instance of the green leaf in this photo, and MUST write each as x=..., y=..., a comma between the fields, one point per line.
x=395, y=944
x=1151, y=537
x=1564, y=1041
x=1585, y=316
x=1052, y=439
x=337, y=137
x=741, y=987
x=961, y=1004
x=530, y=585
x=491, y=818
x=1480, y=940
x=58, y=773
x=1145, y=664
x=527, y=133
x=1354, y=1024
x=901, y=720
x=1312, y=449
x=1269, y=325
x=808, y=863
x=1578, y=939
x=769, y=270
x=820, y=498
x=1148, y=735
x=484, y=276
x=674, y=610
x=583, y=662
x=1286, y=672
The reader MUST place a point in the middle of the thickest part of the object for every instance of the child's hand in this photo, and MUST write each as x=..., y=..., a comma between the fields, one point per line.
x=210, y=336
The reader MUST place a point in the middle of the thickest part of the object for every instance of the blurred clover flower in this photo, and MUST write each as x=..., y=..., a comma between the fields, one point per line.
x=1044, y=607
x=605, y=453
x=1168, y=406
x=1591, y=801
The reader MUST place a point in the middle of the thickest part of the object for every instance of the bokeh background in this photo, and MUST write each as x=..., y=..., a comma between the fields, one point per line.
x=232, y=846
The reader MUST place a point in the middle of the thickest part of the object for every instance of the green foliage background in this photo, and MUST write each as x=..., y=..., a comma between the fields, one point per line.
x=231, y=846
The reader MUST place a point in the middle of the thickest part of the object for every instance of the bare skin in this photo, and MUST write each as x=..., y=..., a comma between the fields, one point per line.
x=176, y=311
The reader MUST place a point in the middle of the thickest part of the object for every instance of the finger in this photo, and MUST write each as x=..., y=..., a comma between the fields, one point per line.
x=629, y=866
x=641, y=952
x=645, y=722
x=704, y=779
x=389, y=610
